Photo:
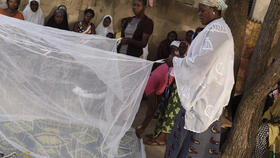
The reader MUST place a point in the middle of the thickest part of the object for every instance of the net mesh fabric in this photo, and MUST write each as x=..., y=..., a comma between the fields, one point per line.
x=65, y=94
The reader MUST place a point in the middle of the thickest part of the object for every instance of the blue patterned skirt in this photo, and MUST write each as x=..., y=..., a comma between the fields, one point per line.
x=187, y=144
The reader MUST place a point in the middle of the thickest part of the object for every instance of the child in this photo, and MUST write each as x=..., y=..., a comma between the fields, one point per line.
x=159, y=79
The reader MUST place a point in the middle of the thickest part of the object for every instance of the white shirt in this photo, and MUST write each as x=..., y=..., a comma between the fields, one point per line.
x=205, y=77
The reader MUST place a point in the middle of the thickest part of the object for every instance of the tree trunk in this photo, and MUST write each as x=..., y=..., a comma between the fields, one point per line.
x=275, y=54
x=260, y=55
x=258, y=84
x=241, y=141
x=236, y=18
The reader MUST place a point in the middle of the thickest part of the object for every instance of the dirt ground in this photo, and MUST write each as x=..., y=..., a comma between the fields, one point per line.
x=151, y=151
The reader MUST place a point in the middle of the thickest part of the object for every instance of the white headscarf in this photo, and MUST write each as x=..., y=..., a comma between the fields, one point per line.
x=220, y=4
x=175, y=43
x=34, y=17
x=103, y=31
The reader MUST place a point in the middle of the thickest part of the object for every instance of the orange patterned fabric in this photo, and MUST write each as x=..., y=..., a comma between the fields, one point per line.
x=18, y=14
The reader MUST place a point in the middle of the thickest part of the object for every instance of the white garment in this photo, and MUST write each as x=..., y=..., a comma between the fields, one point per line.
x=103, y=31
x=205, y=77
x=175, y=43
x=34, y=17
x=145, y=52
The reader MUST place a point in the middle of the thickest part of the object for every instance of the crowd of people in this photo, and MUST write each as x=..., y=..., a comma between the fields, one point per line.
x=191, y=88
x=135, y=31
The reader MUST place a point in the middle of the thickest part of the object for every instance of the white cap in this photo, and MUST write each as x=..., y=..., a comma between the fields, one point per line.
x=175, y=43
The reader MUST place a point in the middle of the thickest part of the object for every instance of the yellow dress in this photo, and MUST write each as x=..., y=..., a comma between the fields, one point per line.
x=274, y=129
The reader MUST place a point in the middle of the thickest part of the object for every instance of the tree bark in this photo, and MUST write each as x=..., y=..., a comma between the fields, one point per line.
x=236, y=18
x=260, y=55
x=241, y=140
x=275, y=54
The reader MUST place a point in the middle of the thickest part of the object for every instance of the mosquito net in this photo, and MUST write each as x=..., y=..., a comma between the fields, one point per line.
x=65, y=94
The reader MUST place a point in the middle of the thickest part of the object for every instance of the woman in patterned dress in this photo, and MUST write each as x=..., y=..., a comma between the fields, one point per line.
x=166, y=118
x=168, y=112
x=86, y=26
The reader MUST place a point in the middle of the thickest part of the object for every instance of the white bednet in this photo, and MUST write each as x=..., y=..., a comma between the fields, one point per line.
x=65, y=94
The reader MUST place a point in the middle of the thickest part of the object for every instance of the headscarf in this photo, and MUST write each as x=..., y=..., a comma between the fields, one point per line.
x=63, y=7
x=175, y=43
x=64, y=25
x=220, y=4
x=34, y=17
x=103, y=31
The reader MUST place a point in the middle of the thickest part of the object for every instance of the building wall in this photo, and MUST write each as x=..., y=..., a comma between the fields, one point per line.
x=167, y=15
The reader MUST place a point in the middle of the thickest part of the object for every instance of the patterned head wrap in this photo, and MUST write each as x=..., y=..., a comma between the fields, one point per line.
x=220, y=4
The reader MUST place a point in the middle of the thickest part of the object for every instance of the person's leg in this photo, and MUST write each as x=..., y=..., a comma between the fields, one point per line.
x=167, y=118
x=161, y=139
x=177, y=136
x=261, y=141
x=206, y=144
x=151, y=109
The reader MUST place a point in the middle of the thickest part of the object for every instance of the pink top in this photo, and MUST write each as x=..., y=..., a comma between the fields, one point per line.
x=158, y=80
